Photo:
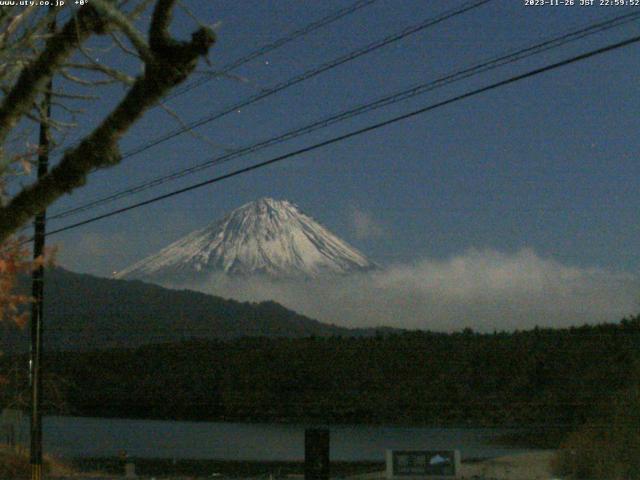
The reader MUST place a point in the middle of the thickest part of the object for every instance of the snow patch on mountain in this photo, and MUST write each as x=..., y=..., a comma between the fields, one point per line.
x=267, y=236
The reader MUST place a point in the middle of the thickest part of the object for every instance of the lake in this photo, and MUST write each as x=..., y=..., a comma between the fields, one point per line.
x=83, y=437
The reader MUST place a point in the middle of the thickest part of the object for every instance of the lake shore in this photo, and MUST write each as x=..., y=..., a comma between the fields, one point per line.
x=524, y=466
x=205, y=468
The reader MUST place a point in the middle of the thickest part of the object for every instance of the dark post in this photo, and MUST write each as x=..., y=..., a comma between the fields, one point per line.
x=37, y=292
x=316, y=454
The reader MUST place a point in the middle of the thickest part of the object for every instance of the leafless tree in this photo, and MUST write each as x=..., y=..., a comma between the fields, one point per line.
x=31, y=53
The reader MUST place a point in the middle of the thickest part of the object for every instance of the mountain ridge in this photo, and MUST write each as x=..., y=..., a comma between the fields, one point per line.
x=85, y=312
x=82, y=311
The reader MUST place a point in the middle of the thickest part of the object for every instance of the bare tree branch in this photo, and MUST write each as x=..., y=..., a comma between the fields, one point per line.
x=66, y=108
x=105, y=70
x=87, y=83
x=159, y=38
x=73, y=96
x=35, y=76
x=15, y=22
x=171, y=63
x=117, y=41
x=192, y=132
x=106, y=8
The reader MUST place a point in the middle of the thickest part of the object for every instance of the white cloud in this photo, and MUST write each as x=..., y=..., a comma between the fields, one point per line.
x=484, y=290
x=364, y=225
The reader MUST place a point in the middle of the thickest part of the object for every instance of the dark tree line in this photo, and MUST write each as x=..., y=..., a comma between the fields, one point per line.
x=546, y=377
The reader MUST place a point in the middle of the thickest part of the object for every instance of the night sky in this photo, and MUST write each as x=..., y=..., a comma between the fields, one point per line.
x=547, y=166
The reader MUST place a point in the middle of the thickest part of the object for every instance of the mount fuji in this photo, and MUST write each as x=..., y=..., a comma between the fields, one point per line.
x=266, y=237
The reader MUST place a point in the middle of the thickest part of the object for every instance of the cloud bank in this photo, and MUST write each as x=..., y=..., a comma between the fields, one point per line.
x=483, y=290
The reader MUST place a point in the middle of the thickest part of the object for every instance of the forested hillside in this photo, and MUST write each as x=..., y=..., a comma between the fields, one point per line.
x=86, y=312
x=538, y=377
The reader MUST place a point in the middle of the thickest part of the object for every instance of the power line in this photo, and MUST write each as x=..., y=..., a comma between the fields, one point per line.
x=311, y=27
x=381, y=102
x=360, y=131
x=309, y=74
x=337, y=15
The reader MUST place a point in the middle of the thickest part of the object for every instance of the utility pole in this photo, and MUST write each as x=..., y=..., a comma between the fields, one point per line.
x=37, y=290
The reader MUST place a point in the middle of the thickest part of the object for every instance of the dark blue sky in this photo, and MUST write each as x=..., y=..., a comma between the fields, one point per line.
x=549, y=163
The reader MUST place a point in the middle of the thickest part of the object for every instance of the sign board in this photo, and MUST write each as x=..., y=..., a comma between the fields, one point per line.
x=316, y=454
x=422, y=464
x=130, y=470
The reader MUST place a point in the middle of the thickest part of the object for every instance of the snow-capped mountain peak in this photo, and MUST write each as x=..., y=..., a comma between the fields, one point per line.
x=267, y=236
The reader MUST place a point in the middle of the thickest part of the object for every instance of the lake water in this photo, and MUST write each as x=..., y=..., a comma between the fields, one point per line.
x=76, y=437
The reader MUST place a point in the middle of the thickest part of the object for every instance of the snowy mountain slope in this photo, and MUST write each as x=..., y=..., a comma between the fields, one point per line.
x=268, y=236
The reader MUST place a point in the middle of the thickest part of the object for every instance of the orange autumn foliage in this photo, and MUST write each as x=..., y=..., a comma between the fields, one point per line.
x=14, y=260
